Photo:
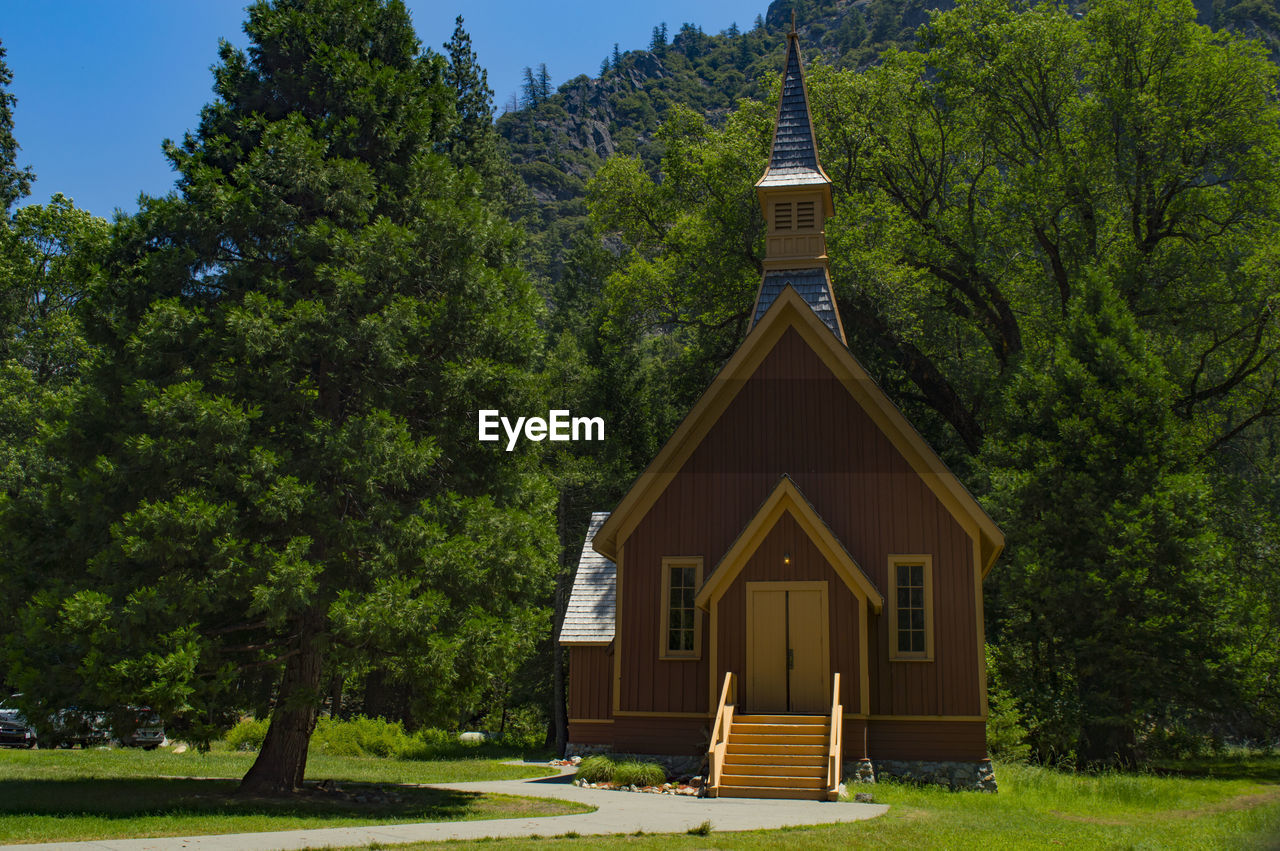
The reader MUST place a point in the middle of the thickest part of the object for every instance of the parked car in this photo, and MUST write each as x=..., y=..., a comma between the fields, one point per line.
x=15, y=732
x=73, y=726
x=139, y=727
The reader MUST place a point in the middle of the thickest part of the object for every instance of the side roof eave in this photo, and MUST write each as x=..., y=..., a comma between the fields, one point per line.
x=591, y=613
x=789, y=310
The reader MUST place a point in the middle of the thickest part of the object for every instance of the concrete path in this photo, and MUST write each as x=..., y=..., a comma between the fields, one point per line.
x=618, y=812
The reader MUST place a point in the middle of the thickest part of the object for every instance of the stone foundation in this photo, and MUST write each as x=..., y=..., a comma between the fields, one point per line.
x=674, y=764
x=977, y=776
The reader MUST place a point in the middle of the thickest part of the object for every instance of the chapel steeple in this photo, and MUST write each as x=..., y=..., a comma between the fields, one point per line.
x=795, y=195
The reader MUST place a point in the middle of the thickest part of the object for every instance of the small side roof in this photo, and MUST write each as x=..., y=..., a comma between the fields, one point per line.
x=592, y=610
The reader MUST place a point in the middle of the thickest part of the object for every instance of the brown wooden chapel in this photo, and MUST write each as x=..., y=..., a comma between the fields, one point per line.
x=795, y=581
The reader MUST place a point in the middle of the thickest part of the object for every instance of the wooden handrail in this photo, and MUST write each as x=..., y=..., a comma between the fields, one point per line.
x=836, y=745
x=720, y=733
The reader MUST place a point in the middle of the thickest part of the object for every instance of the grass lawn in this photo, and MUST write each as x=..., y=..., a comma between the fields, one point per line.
x=1226, y=804
x=49, y=796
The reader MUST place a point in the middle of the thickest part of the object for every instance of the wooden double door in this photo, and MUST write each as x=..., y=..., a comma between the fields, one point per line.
x=788, y=648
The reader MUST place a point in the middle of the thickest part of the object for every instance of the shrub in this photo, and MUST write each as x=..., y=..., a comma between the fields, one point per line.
x=361, y=736
x=1006, y=732
x=596, y=769
x=639, y=774
x=247, y=735
x=524, y=727
x=374, y=737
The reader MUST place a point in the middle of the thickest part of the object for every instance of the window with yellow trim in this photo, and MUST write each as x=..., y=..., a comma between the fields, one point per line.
x=911, y=607
x=681, y=633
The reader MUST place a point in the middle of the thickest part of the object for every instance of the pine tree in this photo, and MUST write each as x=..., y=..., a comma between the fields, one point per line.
x=544, y=83
x=1111, y=556
x=658, y=40
x=617, y=55
x=276, y=476
x=472, y=140
x=15, y=182
x=529, y=89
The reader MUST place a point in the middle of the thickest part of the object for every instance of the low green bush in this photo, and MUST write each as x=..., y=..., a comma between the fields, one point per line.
x=524, y=728
x=363, y=737
x=247, y=735
x=639, y=774
x=596, y=769
x=602, y=769
x=374, y=737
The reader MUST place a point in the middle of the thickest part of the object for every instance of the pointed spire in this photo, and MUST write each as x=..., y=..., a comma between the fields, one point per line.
x=795, y=194
x=794, y=158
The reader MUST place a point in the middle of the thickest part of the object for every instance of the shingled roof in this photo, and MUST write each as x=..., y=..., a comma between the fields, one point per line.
x=813, y=285
x=794, y=159
x=592, y=610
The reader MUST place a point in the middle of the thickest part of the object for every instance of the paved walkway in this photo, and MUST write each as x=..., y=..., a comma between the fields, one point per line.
x=618, y=812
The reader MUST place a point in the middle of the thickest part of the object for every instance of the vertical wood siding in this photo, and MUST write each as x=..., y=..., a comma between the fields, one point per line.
x=792, y=416
x=590, y=734
x=590, y=674
x=807, y=563
x=952, y=740
x=684, y=736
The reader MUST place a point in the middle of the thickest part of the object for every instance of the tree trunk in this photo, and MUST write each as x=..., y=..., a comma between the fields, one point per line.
x=335, y=698
x=282, y=761
x=559, y=717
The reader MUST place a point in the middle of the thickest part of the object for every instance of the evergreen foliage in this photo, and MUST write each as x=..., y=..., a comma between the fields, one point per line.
x=238, y=469
x=273, y=477
x=1111, y=557
x=15, y=181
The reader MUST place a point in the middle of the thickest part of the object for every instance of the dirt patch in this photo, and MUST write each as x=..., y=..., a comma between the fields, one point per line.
x=1241, y=802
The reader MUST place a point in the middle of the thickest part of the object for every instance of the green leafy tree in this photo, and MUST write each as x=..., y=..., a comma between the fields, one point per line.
x=982, y=184
x=277, y=479
x=694, y=239
x=50, y=261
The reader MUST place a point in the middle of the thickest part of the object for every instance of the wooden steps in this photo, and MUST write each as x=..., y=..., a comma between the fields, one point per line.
x=776, y=756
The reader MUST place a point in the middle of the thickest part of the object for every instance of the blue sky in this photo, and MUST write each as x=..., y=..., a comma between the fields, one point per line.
x=101, y=84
